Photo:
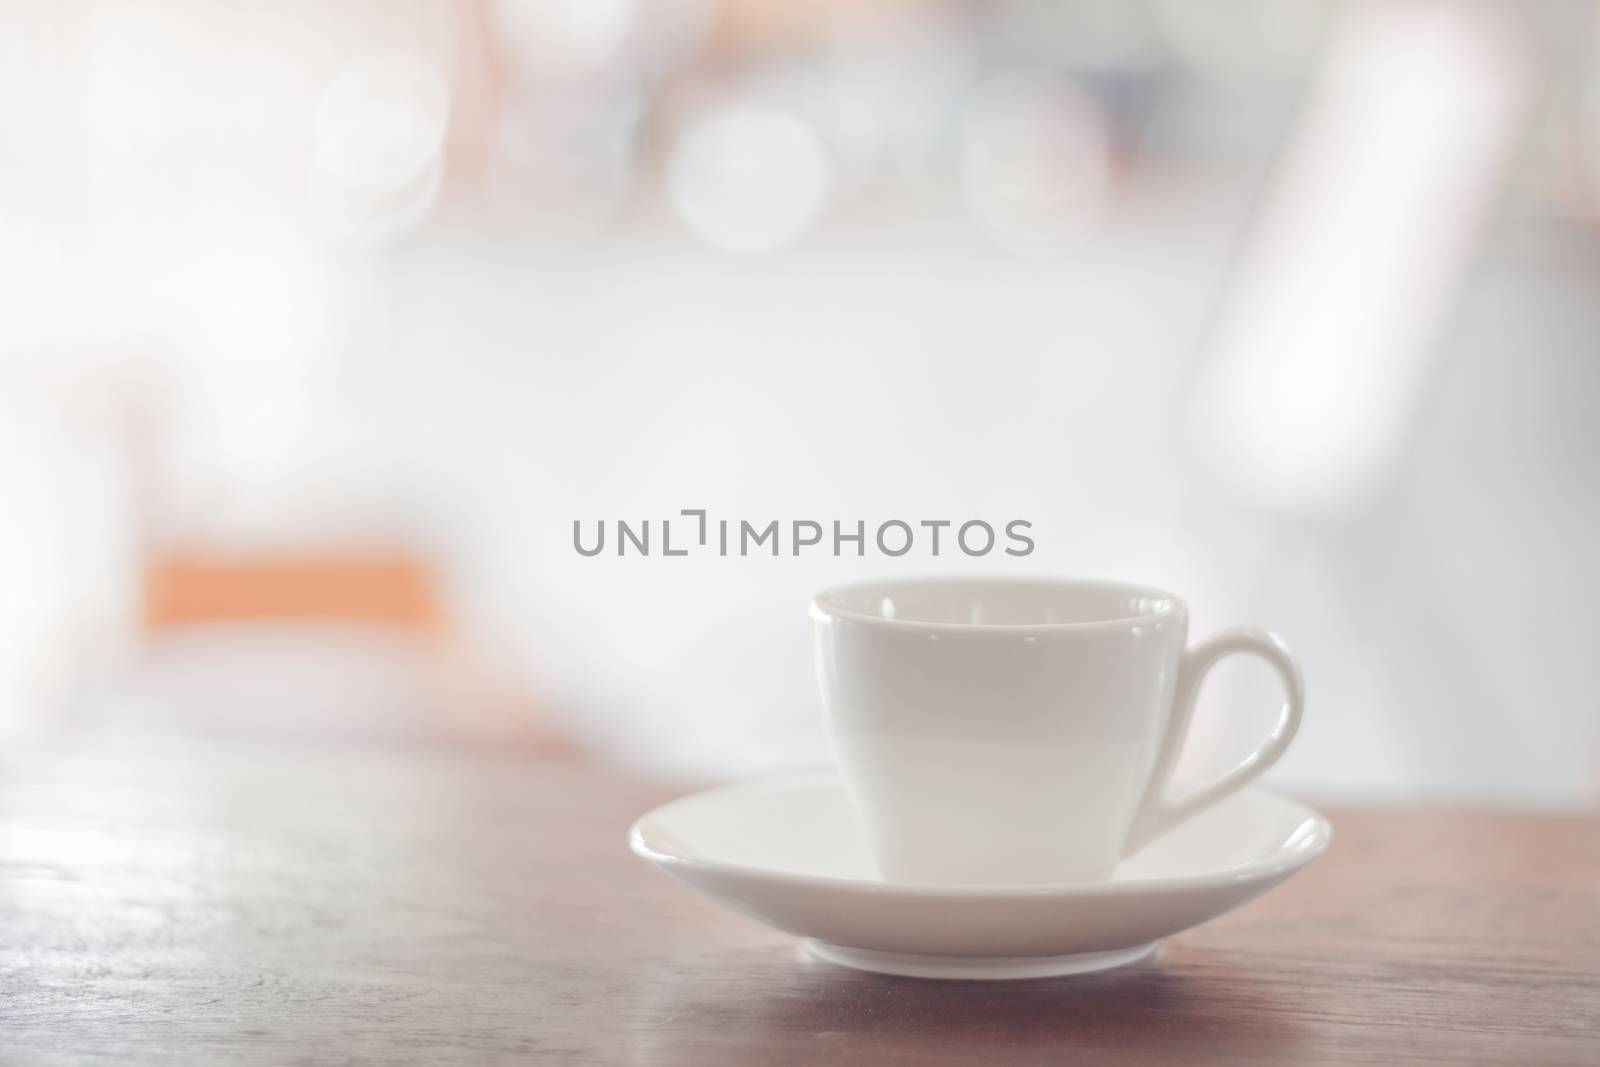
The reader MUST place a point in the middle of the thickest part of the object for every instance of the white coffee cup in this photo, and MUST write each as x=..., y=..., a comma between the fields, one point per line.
x=1006, y=731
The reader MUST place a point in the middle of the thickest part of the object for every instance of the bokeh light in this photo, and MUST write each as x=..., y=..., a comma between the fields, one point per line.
x=748, y=177
x=378, y=158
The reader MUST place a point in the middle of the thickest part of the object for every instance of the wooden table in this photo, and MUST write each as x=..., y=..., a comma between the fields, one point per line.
x=217, y=902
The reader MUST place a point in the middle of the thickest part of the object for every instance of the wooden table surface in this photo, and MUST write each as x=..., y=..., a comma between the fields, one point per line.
x=216, y=902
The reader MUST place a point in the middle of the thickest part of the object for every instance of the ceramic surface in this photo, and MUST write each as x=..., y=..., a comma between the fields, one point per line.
x=1018, y=730
x=790, y=852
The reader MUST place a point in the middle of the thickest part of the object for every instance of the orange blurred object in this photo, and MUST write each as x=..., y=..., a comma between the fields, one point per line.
x=390, y=666
x=391, y=590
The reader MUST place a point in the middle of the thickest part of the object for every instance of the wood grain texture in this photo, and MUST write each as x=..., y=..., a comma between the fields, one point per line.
x=214, y=903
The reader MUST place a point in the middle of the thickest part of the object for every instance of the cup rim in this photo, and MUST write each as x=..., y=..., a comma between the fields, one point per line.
x=825, y=604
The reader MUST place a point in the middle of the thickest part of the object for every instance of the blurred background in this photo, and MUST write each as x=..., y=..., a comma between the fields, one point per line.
x=321, y=323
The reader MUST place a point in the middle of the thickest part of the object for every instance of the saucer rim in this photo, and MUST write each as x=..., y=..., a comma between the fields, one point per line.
x=1264, y=871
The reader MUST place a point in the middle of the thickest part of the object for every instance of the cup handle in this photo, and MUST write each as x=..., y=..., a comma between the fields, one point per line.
x=1158, y=813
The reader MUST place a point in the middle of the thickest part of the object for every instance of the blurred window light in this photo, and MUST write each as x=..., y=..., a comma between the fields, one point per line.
x=1035, y=160
x=1363, y=241
x=564, y=38
x=379, y=155
x=748, y=177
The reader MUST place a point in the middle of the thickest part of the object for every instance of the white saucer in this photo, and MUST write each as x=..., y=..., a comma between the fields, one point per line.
x=789, y=852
